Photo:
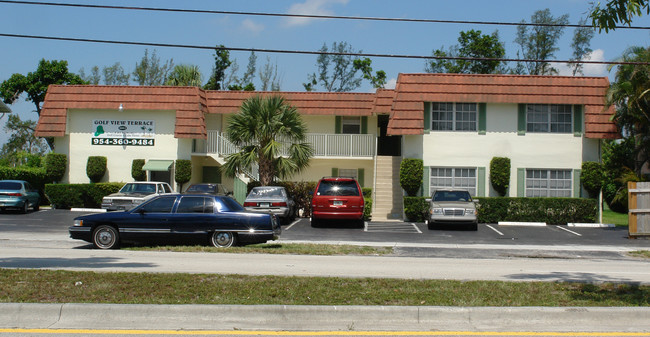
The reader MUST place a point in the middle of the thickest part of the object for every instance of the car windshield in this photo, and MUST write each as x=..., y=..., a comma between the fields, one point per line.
x=266, y=192
x=338, y=188
x=11, y=186
x=139, y=188
x=451, y=196
x=202, y=189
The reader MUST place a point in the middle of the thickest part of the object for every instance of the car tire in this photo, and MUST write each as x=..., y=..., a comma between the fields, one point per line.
x=106, y=237
x=473, y=227
x=37, y=206
x=314, y=223
x=223, y=239
x=431, y=225
x=25, y=208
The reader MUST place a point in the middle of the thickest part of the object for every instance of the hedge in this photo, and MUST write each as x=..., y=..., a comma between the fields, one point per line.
x=554, y=211
x=79, y=195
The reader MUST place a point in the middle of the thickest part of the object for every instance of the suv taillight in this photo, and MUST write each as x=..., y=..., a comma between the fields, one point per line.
x=279, y=204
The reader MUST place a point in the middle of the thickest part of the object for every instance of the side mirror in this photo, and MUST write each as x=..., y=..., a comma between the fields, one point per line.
x=428, y=199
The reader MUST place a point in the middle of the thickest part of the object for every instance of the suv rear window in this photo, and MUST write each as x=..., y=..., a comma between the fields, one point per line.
x=338, y=188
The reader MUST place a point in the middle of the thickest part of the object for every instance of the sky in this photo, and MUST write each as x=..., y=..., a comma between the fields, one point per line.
x=21, y=55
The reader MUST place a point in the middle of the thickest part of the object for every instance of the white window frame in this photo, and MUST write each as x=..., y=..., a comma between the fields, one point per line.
x=351, y=121
x=454, y=177
x=554, y=183
x=463, y=117
x=549, y=118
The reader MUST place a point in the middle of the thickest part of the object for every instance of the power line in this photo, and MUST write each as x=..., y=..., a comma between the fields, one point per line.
x=305, y=16
x=307, y=52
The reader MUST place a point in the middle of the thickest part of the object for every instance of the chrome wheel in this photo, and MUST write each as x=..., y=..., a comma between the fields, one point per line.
x=106, y=237
x=222, y=239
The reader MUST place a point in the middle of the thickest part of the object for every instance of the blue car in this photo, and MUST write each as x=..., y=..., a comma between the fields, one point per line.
x=18, y=194
x=214, y=219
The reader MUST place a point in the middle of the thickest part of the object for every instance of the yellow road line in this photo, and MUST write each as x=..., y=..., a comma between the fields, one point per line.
x=318, y=333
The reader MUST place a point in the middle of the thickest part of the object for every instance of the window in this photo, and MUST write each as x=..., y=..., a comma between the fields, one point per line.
x=351, y=125
x=353, y=173
x=160, y=205
x=195, y=205
x=548, y=183
x=446, y=177
x=454, y=116
x=551, y=118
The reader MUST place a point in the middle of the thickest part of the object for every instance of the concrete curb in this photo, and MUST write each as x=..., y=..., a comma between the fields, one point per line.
x=522, y=223
x=592, y=225
x=332, y=318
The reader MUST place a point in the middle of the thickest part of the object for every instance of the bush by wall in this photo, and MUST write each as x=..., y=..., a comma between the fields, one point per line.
x=137, y=173
x=367, y=208
x=592, y=177
x=410, y=175
x=79, y=195
x=554, y=211
x=96, y=168
x=55, y=164
x=183, y=171
x=416, y=208
x=36, y=176
x=500, y=174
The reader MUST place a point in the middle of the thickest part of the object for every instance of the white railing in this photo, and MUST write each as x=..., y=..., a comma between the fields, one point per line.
x=324, y=145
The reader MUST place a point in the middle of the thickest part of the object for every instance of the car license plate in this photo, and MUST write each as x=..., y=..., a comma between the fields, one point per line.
x=264, y=204
x=338, y=202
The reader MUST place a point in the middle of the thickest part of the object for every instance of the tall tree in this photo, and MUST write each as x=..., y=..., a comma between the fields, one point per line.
x=471, y=44
x=263, y=129
x=93, y=78
x=617, y=11
x=221, y=63
x=115, y=75
x=630, y=93
x=540, y=42
x=378, y=79
x=581, y=46
x=185, y=75
x=336, y=71
x=269, y=76
x=249, y=75
x=150, y=71
x=22, y=143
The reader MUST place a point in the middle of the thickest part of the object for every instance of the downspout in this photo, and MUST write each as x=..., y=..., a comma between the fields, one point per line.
x=374, y=178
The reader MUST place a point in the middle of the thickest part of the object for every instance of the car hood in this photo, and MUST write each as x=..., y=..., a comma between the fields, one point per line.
x=128, y=195
x=453, y=204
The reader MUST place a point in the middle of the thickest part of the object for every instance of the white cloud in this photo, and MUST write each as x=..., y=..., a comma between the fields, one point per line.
x=588, y=69
x=311, y=7
x=390, y=84
x=252, y=26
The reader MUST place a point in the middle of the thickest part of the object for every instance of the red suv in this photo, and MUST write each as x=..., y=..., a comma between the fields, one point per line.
x=337, y=198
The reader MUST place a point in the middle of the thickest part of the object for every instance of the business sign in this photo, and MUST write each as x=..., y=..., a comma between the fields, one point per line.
x=123, y=132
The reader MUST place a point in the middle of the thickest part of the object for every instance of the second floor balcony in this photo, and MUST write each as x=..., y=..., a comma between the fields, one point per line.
x=324, y=145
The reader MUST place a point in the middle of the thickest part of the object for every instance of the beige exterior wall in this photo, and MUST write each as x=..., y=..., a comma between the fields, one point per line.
x=319, y=168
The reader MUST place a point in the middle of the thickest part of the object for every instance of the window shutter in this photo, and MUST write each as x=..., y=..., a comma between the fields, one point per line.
x=364, y=125
x=427, y=117
x=425, y=182
x=335, y=172
x=521, y=182
x=521, y=120
x=480, y=190
x=337, y=126
x=361, y=176
x=576, y=184
x=577, y=120
x=482, y=118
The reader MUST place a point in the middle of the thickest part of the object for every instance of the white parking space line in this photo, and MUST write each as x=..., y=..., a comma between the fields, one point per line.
x=416, y=228
x=568, y=230
x=395, y=227
x=494, y=229
x=291, y=225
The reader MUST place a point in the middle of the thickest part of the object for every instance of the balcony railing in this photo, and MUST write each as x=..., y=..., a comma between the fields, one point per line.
x=324, y=145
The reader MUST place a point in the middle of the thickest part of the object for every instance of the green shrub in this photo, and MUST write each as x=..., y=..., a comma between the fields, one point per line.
x=55, y=165
x=410, y=175
x=137, y=172
x=367, y=209
x=416, y=208
x=79, y=195
x=36, y=176
x=555, y=211
x=183, y=171
x=500, y=174
x=96, y=168
x=592, y=177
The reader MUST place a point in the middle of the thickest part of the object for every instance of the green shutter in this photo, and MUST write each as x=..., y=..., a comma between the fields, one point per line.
x=361, y=176
x=482, y=118
x=335, y=172
x=427, y=117
x=364, y=125
x=337, y=126
x=480, y=191
x=425, y=182
x=577, y=120
x=576, y=184
x=521, y=120
x=521, y=182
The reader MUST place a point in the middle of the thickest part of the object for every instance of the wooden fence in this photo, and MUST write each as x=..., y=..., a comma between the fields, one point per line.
x=639, y=208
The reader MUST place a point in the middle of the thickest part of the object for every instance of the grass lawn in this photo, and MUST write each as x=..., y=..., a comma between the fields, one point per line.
x=46, y=286
x=619, y=219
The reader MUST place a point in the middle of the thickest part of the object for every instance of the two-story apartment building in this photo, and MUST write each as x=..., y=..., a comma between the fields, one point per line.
x=455, y=123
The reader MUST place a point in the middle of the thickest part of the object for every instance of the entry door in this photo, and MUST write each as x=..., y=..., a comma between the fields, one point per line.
x=387, y=145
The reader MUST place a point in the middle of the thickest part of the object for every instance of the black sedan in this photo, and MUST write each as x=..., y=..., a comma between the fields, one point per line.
x=219, y=220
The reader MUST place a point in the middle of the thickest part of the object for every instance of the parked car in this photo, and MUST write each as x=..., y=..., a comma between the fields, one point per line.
x=453, y=207
x=271, y=199
x=18, y=194
x=207, y=188
x=337, y=198
x=218, y=220
x=133, y=194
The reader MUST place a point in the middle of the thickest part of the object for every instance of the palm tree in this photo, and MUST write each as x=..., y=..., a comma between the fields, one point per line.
x=263, y=129
x=185, y=75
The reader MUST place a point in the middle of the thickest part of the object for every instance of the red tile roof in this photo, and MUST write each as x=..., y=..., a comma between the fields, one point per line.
x=407, y=113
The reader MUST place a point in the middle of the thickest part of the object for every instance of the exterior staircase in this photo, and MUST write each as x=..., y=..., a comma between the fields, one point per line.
x=388, y=203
